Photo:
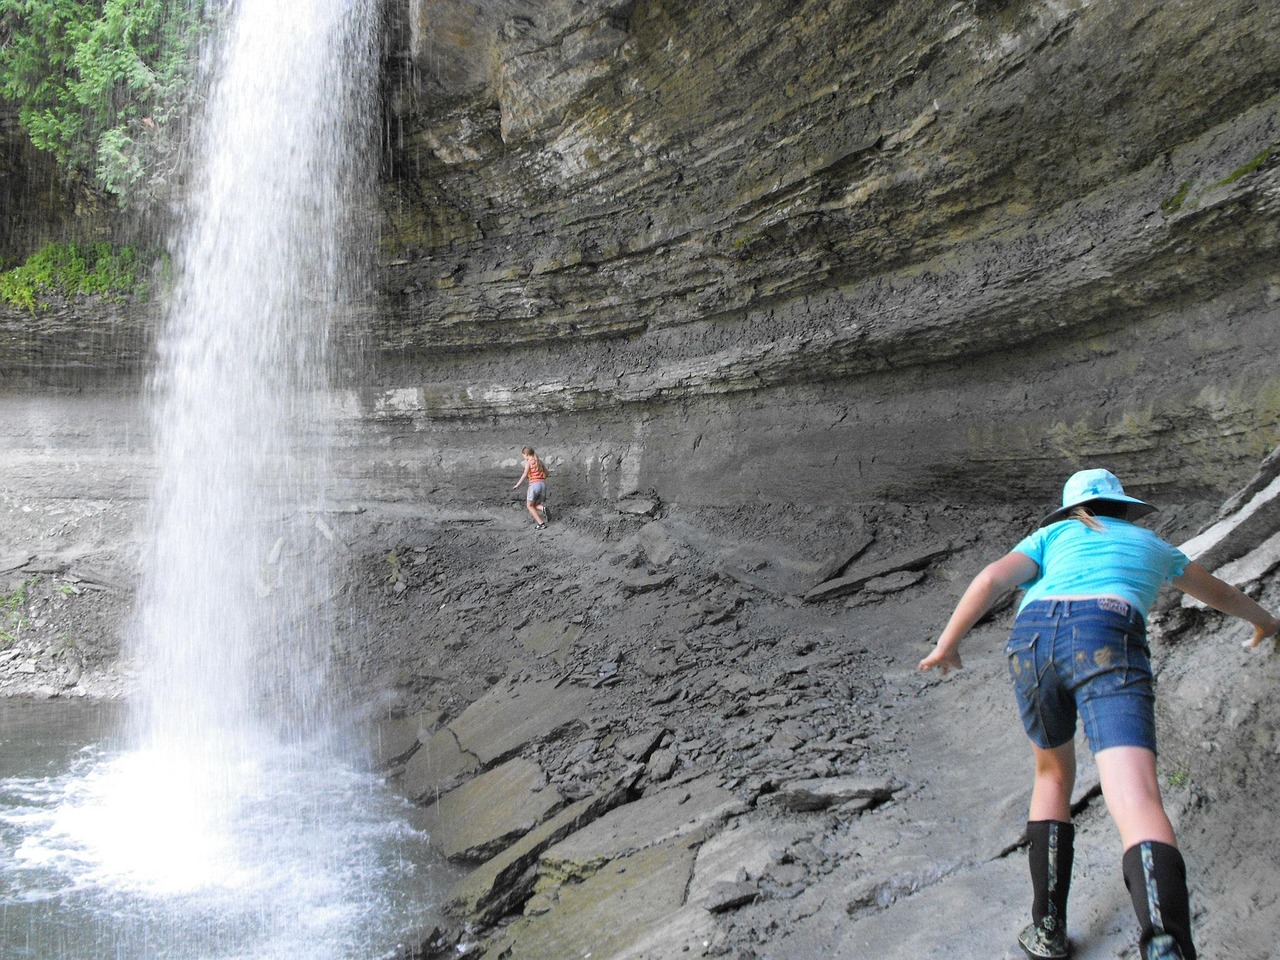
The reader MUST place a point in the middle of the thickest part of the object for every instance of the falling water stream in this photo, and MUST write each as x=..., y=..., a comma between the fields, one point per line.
x=223, y=816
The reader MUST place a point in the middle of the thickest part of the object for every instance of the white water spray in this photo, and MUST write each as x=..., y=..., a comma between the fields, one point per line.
x=229, y=825
x=232, y=635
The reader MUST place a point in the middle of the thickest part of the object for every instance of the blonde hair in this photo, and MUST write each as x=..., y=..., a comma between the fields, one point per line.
x=1085, y=517
x=529, y=452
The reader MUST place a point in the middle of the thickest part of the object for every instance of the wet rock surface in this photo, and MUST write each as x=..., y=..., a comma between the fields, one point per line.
x=866, y=811
x=716, y=766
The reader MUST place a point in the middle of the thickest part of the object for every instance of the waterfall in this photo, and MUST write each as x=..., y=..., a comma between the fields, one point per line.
x=229, y=823
x=232, y=633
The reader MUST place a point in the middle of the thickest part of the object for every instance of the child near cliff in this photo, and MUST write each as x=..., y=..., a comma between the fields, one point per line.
x=535, y=471
x=1079, y=647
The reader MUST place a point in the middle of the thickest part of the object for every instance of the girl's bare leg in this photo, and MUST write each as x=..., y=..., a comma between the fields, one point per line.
x=1132, y=793
x=1055, y=779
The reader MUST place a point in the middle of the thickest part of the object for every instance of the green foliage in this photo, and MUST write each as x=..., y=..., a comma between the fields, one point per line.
x=1174, y=203
x=69, y=269
x=102, y=84
x=11, y=618
x=1248, y=168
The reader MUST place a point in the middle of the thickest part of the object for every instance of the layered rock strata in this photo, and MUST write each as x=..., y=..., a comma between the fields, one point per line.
x=892, y=246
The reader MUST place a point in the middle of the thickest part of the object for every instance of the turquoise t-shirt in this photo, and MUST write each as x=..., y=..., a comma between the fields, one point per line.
x=1121, y=560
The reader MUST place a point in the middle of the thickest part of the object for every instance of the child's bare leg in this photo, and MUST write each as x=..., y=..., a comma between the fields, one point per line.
x=533, y=511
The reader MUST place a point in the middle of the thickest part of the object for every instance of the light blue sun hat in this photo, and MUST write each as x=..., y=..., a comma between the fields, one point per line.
x=1085, y=486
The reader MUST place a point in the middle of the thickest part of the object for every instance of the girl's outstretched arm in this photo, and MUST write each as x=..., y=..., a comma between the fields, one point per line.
x=995, y=580
x=522, y=476
x=1205, y=587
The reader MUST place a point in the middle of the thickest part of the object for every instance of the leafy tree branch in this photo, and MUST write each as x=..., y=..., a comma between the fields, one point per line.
x=104, y=85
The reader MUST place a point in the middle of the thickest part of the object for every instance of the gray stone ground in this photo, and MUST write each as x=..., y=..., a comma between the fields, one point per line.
x=638, y=740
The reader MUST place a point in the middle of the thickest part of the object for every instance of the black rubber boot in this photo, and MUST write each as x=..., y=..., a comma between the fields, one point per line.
x=1156, y=877
x=1051, y=853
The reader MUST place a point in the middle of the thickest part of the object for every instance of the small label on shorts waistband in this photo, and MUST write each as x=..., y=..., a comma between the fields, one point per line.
x=1112, y=605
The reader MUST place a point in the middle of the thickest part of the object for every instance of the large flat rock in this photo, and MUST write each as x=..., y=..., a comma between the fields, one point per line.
x=676, y=811
x=508, y=717
x=503, y=882
x=490, y=811
x=437, y=766
x=743, y=849
x=651, y=900
x=395, y=740
x=854, y=580
x=623, y=911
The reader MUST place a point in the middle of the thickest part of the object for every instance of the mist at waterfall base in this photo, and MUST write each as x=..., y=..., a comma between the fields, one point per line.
x=110, y=854
x=224, y=816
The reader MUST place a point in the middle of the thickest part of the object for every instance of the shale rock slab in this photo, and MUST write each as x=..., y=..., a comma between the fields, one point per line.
x=512, y=715
x=672, y=811
x=487, y=813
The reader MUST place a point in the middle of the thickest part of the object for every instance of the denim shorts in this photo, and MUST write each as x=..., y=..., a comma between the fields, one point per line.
x=1085, y=657
x=537, y=492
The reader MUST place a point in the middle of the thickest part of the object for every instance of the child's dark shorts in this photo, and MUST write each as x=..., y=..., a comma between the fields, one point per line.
x=1085, y=657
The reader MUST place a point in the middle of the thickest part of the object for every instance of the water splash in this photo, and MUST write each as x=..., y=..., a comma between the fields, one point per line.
x=228, y=824
x=233, y=636
x=108, y=863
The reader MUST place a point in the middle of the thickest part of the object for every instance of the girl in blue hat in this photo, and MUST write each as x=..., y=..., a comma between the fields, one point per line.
x=1079, y=648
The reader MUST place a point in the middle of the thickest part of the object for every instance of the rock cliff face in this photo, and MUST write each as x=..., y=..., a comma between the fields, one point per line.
x=893, y=246
x=907, y=249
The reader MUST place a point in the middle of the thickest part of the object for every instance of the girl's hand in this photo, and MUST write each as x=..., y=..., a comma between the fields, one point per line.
x=1261, y=633
x=944, y=660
